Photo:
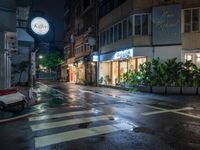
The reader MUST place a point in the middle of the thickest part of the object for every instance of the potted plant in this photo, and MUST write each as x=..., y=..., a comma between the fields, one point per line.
x=144, y=84
x=188, y=73
x=158, y=77
x=173, y=69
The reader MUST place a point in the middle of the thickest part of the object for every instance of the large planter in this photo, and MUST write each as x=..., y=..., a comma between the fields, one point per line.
x=146, y=89
x=173, y=90
x=189, y=90
x=158, y=89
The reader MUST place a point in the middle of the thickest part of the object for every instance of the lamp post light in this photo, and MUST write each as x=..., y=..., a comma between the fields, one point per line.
x=40, y=57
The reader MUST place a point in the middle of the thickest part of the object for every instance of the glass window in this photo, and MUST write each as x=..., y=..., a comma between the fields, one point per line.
x=195, y=20
x=188, y=20
x=107, y=36
x=144, y=24
x=101, y=39
x=111, y=35
x=124, y=29
x=132, y=64
x=123, y=67
x=119, y=31
x=191, y=20
x=140, y=61
x=104, y=38
x=130, y=26
x=115, y=33
x=115, y=72
x=137, y=25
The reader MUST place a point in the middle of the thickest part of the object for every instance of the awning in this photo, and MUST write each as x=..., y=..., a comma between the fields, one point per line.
x=23, y=36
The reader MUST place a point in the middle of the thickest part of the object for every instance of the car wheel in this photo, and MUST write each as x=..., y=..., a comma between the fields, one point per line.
x=2, y=106
x=18, y=107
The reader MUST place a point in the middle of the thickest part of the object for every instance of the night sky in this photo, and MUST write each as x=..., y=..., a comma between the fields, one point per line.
x=53, y=11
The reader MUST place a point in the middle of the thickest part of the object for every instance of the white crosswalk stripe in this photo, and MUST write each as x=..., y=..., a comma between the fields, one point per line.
x=67, y=136
x=65, y=123
x=44, y=117
x=78, y=134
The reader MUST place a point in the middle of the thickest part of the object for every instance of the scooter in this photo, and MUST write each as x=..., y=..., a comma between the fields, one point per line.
x=12, y=100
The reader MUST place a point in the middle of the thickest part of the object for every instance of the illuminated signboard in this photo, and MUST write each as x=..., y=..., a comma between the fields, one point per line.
x=124, y=54
x=95, y=58
x=40, y=26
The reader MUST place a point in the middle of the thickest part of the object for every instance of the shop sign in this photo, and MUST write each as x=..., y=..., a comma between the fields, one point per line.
x=167, y=25
x=95, y=58
x=40, y=26
x=124, y=54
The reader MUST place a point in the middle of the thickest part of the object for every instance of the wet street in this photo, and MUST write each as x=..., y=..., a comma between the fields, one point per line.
x=75, y=117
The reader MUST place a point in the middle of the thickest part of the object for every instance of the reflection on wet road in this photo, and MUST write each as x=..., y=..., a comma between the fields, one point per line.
x=78, y=118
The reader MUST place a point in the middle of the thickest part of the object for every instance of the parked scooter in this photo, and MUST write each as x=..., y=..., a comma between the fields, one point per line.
x=12, y=100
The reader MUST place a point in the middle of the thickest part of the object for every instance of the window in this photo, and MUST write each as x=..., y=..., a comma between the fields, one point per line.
x=104, y=38
x=191, y=20
x=142, y=24
x=194, y=57
x=107, y=36
x=124, y=29
x=119, y=31
x=130, y=26
x=111, y=35
x=115, y=33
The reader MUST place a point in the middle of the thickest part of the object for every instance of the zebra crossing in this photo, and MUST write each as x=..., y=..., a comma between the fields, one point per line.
x=37, y=124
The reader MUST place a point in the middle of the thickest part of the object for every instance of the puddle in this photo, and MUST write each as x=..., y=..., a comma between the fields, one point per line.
x=84, y=125
x=144, y=130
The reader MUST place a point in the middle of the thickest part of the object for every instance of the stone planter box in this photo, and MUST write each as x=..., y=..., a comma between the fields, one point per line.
x=173, y=90
x=158, y=89
x=146, y=89
x=189, y=90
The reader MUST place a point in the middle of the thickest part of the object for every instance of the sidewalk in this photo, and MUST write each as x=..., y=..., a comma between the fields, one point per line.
x=130, y=95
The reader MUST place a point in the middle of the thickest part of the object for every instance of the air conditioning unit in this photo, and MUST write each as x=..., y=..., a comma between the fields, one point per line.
x=10, y=41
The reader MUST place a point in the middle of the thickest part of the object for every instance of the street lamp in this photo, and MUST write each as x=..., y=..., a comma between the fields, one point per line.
x=40, y=57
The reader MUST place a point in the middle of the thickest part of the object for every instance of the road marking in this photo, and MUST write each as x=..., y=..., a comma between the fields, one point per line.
x=78, y=134
x=175, y=111
x=166, y=111
x=45, y=117
x=65, y=123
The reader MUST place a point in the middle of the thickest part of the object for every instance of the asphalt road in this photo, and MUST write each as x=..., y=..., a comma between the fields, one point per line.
x=74, y=117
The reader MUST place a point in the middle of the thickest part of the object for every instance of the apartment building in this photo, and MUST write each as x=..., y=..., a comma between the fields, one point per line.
x=80, y=41
x=7, y=40
x=134, y=31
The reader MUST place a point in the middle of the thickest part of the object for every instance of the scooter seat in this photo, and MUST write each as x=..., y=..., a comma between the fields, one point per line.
x=7, y=91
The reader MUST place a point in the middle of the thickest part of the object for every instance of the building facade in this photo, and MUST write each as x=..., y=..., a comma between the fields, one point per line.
x=80, y=42
x=7, y=40
x=136, y=31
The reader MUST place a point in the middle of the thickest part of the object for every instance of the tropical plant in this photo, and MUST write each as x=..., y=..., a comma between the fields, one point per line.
x=146, y=73
x=187, y=73
x=51, y=60
x=173, y=72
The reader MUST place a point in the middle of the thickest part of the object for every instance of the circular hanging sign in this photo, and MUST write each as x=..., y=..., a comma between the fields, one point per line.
x=40, y=26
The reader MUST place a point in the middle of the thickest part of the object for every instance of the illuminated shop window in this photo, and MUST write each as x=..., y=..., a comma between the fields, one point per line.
x=194, y=57
x=140, y=61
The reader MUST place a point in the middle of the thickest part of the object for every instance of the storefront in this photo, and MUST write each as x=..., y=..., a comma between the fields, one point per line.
x=114, y=65
x=194, y=56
